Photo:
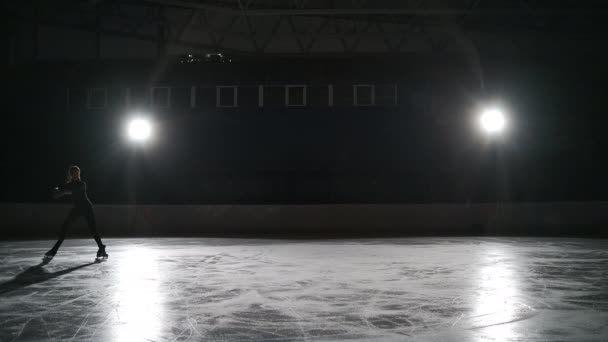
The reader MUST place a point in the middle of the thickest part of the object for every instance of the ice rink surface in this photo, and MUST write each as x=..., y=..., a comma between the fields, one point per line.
x=399, y=289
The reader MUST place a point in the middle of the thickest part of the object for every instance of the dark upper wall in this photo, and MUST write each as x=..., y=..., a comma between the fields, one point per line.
x=425, y=149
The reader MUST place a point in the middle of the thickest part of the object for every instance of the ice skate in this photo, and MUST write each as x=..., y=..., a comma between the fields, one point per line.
x=49, y=255
x=101, y=253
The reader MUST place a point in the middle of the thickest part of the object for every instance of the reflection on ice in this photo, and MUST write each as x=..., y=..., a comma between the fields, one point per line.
x=138, y=298
x=498, y=289
x=456, y=289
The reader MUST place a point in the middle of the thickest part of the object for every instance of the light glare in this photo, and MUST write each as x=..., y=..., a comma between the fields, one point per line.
x=492, y=121
x=139, y=129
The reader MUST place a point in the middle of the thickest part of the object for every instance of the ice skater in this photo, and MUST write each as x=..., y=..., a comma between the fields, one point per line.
x=82, y=206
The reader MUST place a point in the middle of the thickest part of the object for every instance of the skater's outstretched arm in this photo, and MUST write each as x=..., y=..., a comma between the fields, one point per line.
x=61, y=191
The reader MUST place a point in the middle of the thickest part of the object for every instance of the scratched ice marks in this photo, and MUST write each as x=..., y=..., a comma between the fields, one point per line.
x=418, y=289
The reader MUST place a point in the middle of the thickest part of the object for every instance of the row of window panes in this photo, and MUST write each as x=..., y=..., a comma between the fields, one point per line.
x=227, y=96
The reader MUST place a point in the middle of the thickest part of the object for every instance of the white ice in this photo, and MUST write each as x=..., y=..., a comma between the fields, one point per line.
x=417, y=289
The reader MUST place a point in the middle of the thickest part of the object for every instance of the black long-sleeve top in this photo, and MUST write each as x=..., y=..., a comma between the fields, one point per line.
x=78, y=190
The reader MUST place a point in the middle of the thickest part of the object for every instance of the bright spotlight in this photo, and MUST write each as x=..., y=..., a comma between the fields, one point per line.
x=139, y=130
x=492, y=121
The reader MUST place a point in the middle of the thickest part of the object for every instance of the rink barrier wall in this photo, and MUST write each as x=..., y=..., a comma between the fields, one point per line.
x=562, y=218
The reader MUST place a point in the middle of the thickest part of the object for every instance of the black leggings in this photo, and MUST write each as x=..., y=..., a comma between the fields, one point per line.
x=75, y=213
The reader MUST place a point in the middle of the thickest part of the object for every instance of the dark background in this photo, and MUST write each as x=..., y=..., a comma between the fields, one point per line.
x=426, y=149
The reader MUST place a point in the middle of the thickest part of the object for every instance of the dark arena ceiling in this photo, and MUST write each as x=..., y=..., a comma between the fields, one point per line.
x=309, y=27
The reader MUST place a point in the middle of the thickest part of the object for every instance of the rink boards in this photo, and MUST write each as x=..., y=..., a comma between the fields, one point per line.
x=553, y=219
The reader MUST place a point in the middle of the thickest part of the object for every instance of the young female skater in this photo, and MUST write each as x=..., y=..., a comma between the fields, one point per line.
x=82, y=206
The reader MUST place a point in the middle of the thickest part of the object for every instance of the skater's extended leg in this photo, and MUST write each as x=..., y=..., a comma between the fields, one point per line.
x=90, y=216
x=72, y=216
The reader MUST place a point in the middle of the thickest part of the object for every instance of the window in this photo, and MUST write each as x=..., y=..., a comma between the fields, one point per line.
x=385, y=94
x=364, y=95
x=226, y=96
x=295, y=96
x=192, y=97
x=161, y=97
x=137, y=96
x=260, y=96
x=97, y=98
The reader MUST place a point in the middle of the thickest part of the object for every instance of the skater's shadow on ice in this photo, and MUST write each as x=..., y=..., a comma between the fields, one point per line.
x=37, y=274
